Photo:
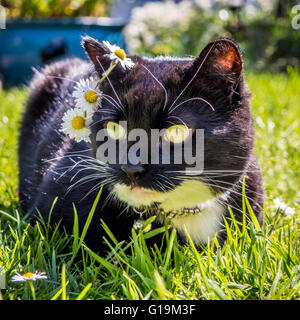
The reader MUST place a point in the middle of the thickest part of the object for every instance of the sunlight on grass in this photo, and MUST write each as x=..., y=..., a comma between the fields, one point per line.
x=275, y=107
x=11, y=106
x=254, y=263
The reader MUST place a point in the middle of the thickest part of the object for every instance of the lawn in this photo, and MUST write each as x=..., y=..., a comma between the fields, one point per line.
x=263, y=263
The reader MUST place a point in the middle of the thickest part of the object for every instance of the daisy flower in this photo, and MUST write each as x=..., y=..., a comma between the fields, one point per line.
x=29, y=276
x=280, y=204
x=289, y=211
x=87, y=96
x=74, y=124
x=118, y=55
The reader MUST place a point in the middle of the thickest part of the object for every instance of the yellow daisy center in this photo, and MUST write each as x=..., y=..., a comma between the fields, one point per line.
x=120, y=53
x=28, y=274
x=78, y=123
x=91, y=96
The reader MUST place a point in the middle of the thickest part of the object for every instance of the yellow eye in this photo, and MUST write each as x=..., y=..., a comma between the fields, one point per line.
x=115, y=131
x=177, y=133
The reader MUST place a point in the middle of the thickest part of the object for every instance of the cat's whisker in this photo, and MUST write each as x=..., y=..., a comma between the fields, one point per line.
x=77, y=164
x=68, y=155
x=101, y=173
x=194, y=76
x=214, y=172
x=126, y=209
x=84, y=180
x=216, y=175
x=106, y=111
x=234, y=184
x=81, y=170
x=179, y=194
x=165, y=178
x=93, y=161
x=78, y=152
x=112, y=196
x=165, y=90
x=101, y=120
x=107, y=77
x=68, y=169
x=230, y=199
x=88, y=179
x=61, y=174
x=161, y=186
x=97, y=186
x=235, y=92
x=57, y=77
x=191, y=99
x=77, y=186
x=112, y=101
x=225, y=204
x=168, y=187
x=175, y=117
x=101, y=169
x=229, y=190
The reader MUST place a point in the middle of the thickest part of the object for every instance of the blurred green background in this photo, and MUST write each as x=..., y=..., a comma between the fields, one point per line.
x=264, y=267
x=270, y=44
x=56, y=8
x=263, y=28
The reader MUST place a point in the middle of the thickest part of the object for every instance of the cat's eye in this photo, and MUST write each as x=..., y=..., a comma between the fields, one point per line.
x=177, y=133
x=115, y=131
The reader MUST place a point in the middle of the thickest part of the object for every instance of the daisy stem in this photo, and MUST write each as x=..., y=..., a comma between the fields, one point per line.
x=107, y=72
x=32, y=289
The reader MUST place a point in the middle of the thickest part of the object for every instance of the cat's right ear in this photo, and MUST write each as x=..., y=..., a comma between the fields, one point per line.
x=97, y=52
x=220, y=60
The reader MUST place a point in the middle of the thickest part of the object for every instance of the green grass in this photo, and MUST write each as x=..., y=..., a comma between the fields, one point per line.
x=262, y=263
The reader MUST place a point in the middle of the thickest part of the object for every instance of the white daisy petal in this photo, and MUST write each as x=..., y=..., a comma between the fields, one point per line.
x=278, y=202
x=87, y=96
x=110, y=47
x=289, y=211
x=118, y=55
x=74, y=124
x=29, y=276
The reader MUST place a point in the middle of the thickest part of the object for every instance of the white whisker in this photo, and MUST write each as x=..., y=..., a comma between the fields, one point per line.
x=112, y=87
x=57, y=77
x=194, y=76
x=165, y=91
x=191, y=99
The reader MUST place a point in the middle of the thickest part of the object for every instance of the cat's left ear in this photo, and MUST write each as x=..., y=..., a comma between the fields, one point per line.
x=96, y=51
x=99, y=55
x=220, y=60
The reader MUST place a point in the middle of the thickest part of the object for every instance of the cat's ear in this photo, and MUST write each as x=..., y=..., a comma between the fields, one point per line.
x=99, y=55
x=95, y=50
x=220, y=59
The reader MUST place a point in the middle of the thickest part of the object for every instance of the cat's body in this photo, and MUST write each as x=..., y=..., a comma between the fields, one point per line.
x=216, y=76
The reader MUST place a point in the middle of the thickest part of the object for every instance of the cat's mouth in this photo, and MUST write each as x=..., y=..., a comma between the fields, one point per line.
x=187, y=195
x=143, y=192
x=137, y=196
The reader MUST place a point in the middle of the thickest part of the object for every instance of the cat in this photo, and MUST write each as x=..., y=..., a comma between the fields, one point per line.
x=206, y=92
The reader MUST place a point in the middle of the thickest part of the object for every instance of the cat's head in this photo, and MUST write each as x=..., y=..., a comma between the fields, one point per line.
x=181, y=96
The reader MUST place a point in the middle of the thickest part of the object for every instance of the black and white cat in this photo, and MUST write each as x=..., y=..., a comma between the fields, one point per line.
x=146, y=94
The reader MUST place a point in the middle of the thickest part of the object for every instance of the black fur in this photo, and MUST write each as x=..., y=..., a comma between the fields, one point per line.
x=228, y=131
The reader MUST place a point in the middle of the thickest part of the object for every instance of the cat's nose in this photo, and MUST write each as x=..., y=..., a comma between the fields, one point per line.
x=133, y=170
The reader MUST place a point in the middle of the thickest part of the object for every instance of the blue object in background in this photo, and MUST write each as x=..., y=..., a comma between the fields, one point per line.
x=31, y=43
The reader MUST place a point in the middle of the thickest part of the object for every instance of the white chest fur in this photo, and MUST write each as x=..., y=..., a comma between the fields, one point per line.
x=187, y=195
x=201, y=226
